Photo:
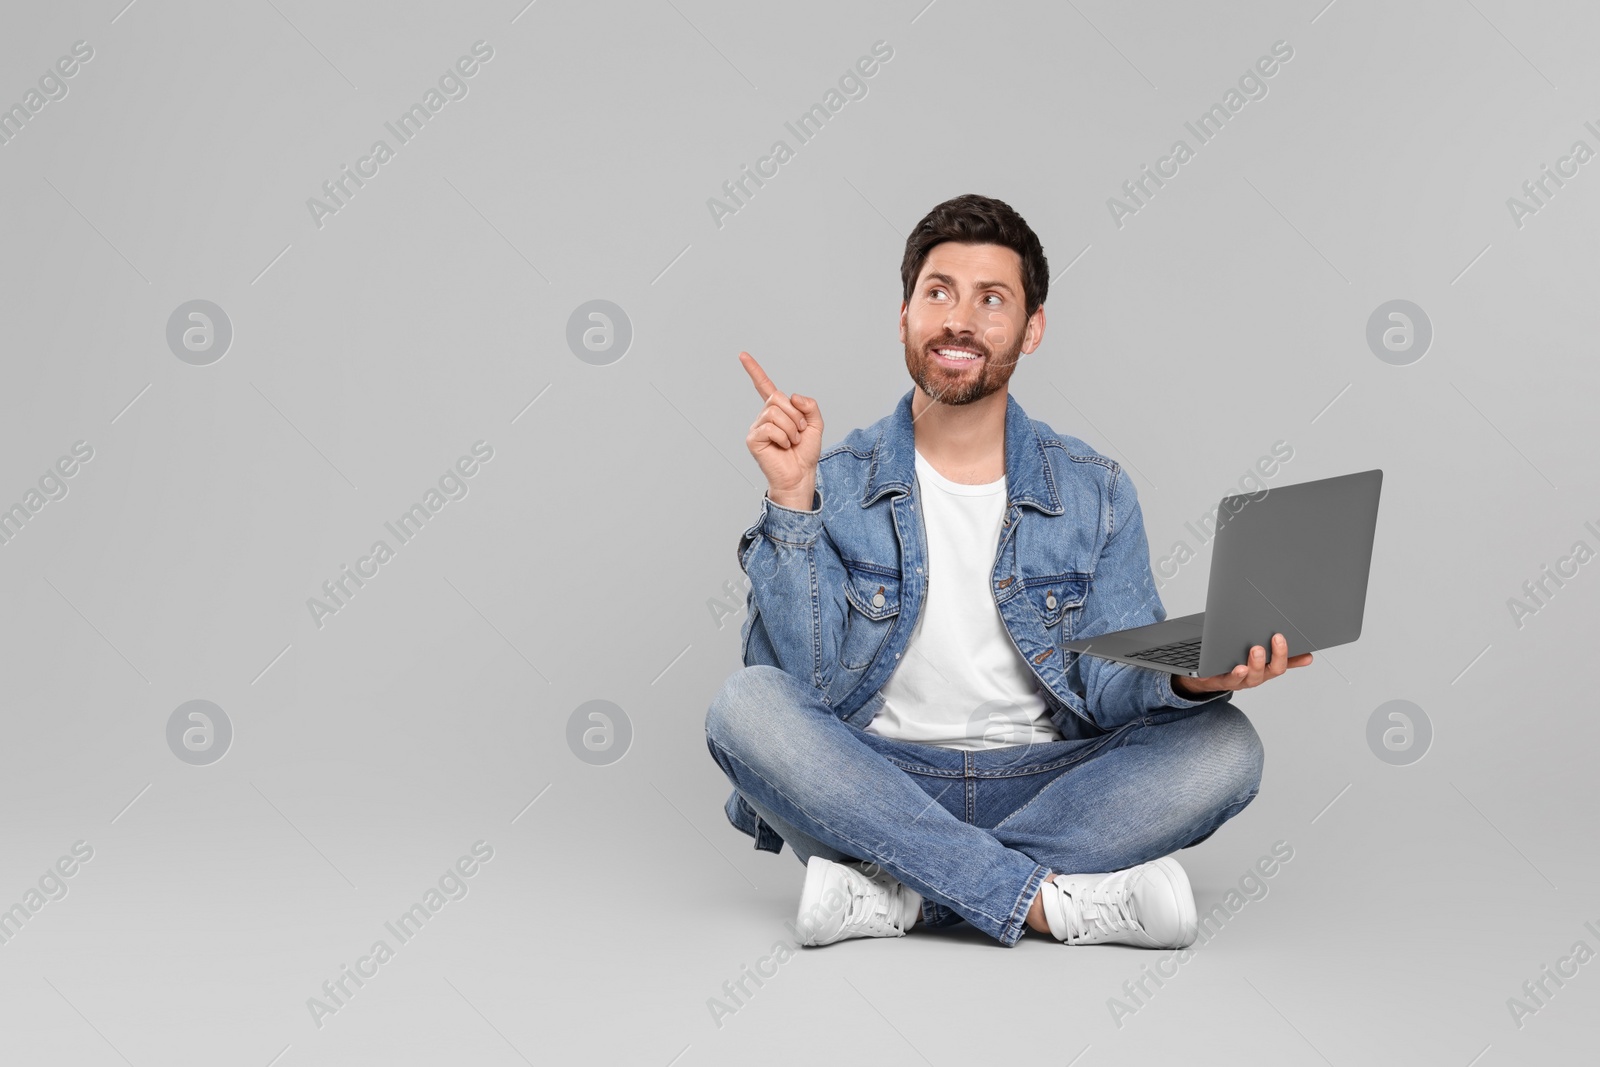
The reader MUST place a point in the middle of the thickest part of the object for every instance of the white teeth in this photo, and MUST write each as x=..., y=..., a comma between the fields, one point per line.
x=950, y=353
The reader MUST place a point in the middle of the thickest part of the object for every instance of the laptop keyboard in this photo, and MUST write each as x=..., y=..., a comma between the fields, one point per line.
x=1184, y=654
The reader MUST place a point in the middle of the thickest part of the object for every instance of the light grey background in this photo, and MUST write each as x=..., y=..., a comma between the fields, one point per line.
x=431, y=312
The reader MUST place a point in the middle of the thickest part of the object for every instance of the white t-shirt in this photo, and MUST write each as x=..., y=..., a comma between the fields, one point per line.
x=961, y=683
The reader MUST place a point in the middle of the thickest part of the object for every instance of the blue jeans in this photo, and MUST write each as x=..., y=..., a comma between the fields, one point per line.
x=977, y=832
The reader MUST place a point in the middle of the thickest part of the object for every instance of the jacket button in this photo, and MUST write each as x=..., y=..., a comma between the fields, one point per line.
x=1050, y=602
x=877, y=600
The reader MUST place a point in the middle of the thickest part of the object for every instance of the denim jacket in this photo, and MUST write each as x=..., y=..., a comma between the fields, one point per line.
x=835, y=591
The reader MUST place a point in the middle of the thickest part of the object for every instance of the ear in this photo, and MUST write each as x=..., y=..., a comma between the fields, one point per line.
x=1035, y=331
x=903, y=306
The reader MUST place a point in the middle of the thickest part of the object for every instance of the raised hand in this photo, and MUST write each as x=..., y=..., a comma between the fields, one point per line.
x=785, y=439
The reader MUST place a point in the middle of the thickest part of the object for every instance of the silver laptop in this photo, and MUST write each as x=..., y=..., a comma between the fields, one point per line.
x=1291, y=560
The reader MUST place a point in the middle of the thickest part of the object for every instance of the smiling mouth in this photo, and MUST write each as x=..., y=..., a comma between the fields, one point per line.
x=957, y=356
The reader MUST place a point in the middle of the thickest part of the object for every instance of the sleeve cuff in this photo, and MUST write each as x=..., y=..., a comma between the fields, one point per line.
x=789, y=524
x=1168, y=697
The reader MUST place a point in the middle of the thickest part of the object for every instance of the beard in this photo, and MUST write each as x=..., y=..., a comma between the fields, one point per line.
x=947, y=385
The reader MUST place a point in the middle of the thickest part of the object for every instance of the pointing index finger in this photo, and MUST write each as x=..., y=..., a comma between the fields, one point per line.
x=763, y=383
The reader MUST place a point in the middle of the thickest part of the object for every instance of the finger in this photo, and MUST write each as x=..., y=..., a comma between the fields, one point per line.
x=1302, y=660
x=774, y=435
x=783, y=403
x=769, y=392
x=1280, y=656
x=1241, y=673
x=807, y=406
x=763, y=384
x=777, y=416
x=1257, y=672
x=1229, y=680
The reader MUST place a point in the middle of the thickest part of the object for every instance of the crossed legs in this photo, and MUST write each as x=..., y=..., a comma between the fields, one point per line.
x=1133, y=795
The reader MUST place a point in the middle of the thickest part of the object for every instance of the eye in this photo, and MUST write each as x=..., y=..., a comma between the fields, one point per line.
x=935, y=289
x=994, y=296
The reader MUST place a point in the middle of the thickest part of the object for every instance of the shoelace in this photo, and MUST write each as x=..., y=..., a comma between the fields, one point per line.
x=873, y=905
x=1102, y=909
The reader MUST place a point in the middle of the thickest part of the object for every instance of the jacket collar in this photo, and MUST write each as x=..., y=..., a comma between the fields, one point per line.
x=1028, y=475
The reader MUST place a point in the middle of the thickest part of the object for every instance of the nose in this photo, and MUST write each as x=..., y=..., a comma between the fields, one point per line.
x=959, y=320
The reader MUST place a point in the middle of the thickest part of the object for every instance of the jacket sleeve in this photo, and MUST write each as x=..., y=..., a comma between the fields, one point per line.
x=796, y=594
x=1123, y=595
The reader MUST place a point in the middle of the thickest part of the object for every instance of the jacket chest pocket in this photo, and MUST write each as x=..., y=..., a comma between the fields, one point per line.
x=1055, y=597
x=872, y=601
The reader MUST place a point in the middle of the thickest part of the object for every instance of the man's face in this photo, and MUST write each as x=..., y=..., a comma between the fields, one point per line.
x=968, y=300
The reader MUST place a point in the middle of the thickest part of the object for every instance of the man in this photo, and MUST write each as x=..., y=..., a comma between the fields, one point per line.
x=906, y=718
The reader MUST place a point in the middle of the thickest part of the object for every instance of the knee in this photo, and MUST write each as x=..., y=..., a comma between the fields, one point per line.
x=1232, y=755
x=737, y=710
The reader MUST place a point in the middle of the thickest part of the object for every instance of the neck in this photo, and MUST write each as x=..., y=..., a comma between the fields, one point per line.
x=966, y=442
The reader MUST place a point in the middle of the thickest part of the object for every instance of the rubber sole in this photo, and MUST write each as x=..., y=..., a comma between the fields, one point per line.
x=811, y=894
x=1188, y=919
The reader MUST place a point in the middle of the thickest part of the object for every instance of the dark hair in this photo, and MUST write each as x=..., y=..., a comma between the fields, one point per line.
x=974, y=219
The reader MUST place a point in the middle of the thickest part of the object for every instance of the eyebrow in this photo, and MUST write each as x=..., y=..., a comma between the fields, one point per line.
x=946, y=279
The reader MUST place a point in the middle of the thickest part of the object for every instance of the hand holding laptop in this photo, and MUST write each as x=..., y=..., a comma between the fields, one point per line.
x=1245, y=675
x=1292, y=562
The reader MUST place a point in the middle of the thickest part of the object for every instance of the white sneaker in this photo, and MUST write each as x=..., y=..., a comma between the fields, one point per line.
x=853, y=899
x=1150, y=905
